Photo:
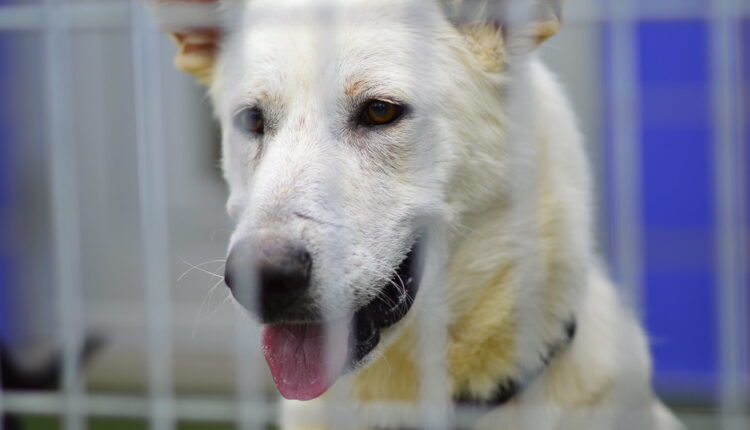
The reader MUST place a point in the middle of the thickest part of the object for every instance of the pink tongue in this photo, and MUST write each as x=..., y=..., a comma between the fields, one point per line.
x=305, y=359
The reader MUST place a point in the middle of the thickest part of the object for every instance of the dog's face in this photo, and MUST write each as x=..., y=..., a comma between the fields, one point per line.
x=345, y=129
x=331, y=144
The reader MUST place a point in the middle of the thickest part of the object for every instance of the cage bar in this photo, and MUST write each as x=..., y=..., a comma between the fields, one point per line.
x=189, y=408
x=250, y=414
x=116, y=14
x=248, y=406
x=628, y=246
x=731, y=245
x=66, y=219
x=2, y=400
x=153, y=213
x=32, y=17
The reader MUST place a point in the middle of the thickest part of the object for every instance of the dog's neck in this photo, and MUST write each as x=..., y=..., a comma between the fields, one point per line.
x=508, y=389
x=485, y=362
x=511, y=274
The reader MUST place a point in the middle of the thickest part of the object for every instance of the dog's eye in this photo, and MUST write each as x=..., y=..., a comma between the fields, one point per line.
x=249, y=120
x=380, y=112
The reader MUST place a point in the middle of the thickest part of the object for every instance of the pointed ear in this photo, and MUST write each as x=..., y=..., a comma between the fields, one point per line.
x=194, y=26
x=537, y=24
x=495, y=29
x=196, y=52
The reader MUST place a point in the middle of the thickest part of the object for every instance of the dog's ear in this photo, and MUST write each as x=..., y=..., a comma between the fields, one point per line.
x=545, y=20
x=194, y=26
x=196, y=54
x=494, y=29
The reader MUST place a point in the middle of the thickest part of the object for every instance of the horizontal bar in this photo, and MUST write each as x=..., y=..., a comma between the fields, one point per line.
x=83, y=16
x=186, y=408
x=223, y=409
x=125, y=406
x=94, y=15
x=177, y=16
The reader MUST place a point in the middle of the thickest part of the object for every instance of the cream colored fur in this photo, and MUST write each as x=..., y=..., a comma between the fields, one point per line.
x=602, y=381
x=492, y=157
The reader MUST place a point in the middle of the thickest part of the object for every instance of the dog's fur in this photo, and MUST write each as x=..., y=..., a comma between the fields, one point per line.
x=489, y=154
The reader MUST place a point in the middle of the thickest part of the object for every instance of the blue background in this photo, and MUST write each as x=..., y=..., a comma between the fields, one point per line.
x=678, y=214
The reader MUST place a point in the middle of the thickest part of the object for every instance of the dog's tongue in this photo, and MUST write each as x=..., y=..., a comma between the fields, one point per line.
x=305, y=359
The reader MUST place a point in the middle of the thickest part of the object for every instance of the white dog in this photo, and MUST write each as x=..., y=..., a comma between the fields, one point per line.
x=413, y=207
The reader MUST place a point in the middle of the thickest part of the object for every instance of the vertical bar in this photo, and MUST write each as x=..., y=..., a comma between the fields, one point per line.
x=435, y=398
x=626, y=167
x=6, y=172
x=2, y=407
x=730, y=234
x=153, y=214
x=66, y=222
x=339, y=412
x=626, y=153
x=250, y=393
x=249, y=362
x=525, y=213
x=435, y=408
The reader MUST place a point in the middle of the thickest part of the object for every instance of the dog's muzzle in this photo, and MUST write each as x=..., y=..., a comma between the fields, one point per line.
x=270, y=277
x=305, y=351
x=389, y=307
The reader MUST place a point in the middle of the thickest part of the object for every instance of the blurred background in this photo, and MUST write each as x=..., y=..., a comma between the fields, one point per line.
x=96, y=249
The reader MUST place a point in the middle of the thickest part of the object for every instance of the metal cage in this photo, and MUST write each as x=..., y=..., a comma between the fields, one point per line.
x=113, y=225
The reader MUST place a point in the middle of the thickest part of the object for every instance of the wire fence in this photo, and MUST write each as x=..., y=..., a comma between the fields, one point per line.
x=156, y=328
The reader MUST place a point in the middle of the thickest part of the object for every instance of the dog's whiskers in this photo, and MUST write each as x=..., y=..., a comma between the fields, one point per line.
x=206, y=299
x=388, y=274
x=226, y=299
x=199, y=268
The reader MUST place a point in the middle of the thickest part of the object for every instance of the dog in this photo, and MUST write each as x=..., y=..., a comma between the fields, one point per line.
x=413, y=218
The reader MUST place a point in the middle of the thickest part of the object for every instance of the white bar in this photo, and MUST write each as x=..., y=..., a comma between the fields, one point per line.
x=250, y=386
x=116, y=15
x=94, y=15
x=525, y=213
x=204, y=409
x=188, y=408
x=177, y=16
x=2, y=403
x=731, y=248
x=626, y=168
x=153, y=214
x=66, y=221
x=436, y=407
x=626, y=150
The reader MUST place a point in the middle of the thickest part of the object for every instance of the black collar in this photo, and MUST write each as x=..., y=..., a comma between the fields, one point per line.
x=509, y=388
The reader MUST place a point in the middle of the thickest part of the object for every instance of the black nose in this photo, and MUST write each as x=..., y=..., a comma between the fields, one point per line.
x=268, y=275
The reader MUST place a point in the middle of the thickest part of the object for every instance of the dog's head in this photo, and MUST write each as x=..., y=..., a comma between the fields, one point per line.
x=348, y=126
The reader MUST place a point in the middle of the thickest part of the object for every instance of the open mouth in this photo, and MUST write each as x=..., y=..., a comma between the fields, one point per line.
x=305, y=359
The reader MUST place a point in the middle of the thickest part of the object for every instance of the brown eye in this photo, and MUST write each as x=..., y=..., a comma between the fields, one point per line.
x=380, y=112
x=249, y=120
